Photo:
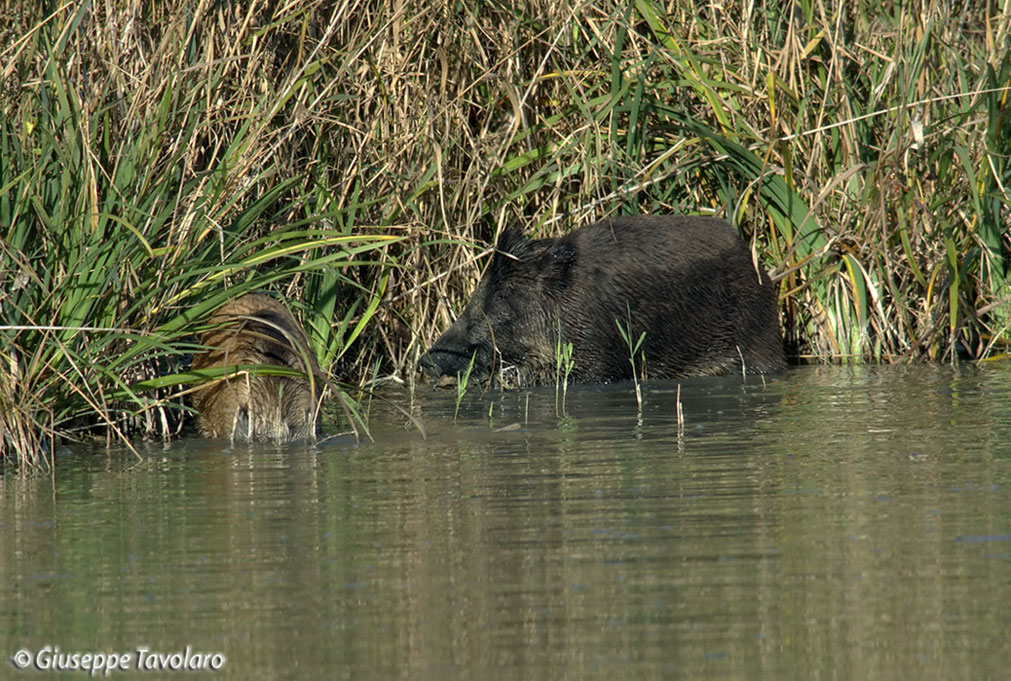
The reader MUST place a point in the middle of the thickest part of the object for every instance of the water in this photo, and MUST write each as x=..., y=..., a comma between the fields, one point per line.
x=833, y=523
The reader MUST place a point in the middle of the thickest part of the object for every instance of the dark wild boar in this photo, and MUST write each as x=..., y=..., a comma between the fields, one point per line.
x=256, y=329
x=688, y=282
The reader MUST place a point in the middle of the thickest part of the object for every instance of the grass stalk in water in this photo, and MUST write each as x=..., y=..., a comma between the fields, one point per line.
x=633, y=348
x=563, y=367
x=462, y=379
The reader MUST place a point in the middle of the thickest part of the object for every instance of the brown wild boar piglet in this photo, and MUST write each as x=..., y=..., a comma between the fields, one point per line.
x=256, y=329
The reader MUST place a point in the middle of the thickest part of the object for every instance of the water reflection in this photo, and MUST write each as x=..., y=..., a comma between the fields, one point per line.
x=840, y=522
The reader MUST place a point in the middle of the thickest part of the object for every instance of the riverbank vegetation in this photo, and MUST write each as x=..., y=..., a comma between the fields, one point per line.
x=358, y=158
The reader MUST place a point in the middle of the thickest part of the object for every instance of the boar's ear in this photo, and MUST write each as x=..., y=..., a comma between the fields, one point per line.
x=556, y=265
x=514, y=246
x=511, y=242
x=511, y=249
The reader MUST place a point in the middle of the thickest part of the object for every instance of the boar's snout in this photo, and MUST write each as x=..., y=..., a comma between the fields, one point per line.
x=430, y=366
x=439, y=362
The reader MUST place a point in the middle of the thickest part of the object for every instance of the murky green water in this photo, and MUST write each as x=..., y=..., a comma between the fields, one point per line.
x=834, y=523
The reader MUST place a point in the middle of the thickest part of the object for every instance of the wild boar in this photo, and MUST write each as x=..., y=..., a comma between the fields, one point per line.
x=688, y=283
x=256, y=329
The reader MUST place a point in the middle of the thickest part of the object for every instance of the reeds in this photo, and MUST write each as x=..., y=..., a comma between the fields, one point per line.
x=158, y=158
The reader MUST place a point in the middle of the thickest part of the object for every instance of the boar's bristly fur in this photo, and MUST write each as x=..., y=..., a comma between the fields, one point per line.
x=256, y=329
x=688, y=282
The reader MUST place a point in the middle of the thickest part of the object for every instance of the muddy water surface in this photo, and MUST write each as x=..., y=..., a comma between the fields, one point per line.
x=832, y=523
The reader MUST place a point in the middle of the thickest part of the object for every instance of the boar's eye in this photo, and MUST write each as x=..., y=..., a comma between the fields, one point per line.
x=500, y=297
x=508, y=301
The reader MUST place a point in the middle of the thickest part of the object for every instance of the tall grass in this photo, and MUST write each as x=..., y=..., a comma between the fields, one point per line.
x=144, y=185
x=158, y=158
